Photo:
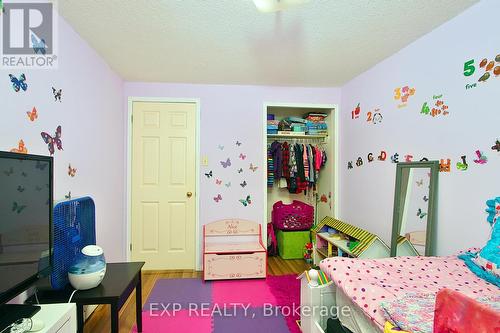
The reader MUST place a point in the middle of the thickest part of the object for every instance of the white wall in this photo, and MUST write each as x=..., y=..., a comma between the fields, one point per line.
x=433, y=65
x=91, y=116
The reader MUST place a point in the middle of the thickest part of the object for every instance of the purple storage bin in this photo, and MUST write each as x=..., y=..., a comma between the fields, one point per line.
x=270, y=116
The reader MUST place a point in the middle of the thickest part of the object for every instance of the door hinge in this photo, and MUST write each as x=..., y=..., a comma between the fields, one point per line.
x=130, y=247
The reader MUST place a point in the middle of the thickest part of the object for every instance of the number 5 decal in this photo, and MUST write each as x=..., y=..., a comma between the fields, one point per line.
x=469, y=68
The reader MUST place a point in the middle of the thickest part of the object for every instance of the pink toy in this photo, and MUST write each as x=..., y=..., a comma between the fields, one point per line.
x=233, y=249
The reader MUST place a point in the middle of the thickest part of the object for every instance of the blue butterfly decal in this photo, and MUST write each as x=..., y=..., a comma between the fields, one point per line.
x=20, y=83
x=226, y=164
x=246, y=202
x=38, y=44
x=17, y=207
x=420, y=213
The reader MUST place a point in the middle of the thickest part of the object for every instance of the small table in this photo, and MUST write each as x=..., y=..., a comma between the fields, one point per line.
x=116, y=287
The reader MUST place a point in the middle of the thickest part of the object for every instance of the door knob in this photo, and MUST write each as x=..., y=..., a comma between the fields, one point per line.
x=189, y=194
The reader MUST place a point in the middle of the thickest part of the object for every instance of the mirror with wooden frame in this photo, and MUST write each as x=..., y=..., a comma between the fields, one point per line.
x=415, y=203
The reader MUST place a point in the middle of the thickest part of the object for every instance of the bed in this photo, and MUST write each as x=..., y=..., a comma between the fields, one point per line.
x=364, y=284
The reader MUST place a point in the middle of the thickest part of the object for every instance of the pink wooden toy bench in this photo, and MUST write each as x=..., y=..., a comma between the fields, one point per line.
x=233, y=249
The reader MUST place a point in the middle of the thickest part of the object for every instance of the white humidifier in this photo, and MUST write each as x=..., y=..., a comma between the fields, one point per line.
x=88, y=269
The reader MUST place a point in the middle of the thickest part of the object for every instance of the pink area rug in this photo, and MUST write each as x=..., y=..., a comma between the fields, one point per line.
x=243, y=306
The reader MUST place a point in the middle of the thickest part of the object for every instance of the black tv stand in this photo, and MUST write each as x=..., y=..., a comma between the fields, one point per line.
x=9, y=313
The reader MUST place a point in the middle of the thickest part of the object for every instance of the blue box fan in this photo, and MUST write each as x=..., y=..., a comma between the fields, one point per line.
x=74, y=228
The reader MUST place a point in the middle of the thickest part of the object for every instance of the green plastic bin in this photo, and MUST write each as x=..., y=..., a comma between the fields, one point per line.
x=291, y=244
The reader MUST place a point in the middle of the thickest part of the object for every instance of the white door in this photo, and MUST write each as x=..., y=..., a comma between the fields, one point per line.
x=163, y=215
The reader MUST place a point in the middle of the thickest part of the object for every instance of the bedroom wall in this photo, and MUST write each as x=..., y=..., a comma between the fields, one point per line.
x=433, y=65
x=230, y=113
x=91, y=117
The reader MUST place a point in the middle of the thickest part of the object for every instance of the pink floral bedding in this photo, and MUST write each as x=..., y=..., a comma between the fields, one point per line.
x=372, y=281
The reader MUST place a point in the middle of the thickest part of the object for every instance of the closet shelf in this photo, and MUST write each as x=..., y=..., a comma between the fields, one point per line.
x=291, y=136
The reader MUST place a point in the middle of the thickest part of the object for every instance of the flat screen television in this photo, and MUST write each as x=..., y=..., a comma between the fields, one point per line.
x=26, y=197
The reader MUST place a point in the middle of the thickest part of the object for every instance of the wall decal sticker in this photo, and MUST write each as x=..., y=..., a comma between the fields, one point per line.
x=228, y=184
x=489, y=67
x=33, y=115
x=374, y=117
x=349, y=165
x=462, y=166
x=240, y=170
x=439, y=107
x=18, y=208
x=323, y=198
x=370, y=157
x=71, y=171
x=425, y=198
x=408, y=158
x=424, y=159
x=420, y=213
x=38, y=44
x=209, y=174
x=247, y=201
x=395, y=158
x=402, y=94
x=382, y=156
x=445, y=166
x=68, y=196
x=252, y=167
x=21, y=148
x=242, y=156
x=226, y=163
x=238, y=143
x=220, y=147
x=243, y=184
x=496, y=146
x=359, y=162
x=218, y=182
x=20, y=188
x=18, y=84
x=481, y=158
x=51, y=141
x=218, y=198
x=420, y=182
x=355, y=113
x=57, y=94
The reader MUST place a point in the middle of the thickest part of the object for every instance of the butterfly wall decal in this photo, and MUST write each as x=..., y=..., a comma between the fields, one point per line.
x=228, y=184
x=247, y=201
x=209, y=174
x=420, y=213
x=41, y=166
x=226, y=164
x=71, y=171
x=218, y=181
x=68, y=196
x=243, y=184
x=57, y=94
x=24, y=174
x=38, y=44
x=481, y=158
x=238, y=143
x=221, y=147
x=496, y=146
x=9, y=172
x=252, y=167
x=420, y=182
x=242, y=156
x=425, y=198
x=51, y=141
x=218, y=198
x=33, y=115
x=21, y=148
x=18, y=84
x=17, y=207
x=20, y=189
x=240, y=170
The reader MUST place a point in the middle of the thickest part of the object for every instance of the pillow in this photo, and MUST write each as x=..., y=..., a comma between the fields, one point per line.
x=486, y=263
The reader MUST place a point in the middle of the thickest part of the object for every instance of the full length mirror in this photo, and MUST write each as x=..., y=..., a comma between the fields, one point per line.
x=414, y=216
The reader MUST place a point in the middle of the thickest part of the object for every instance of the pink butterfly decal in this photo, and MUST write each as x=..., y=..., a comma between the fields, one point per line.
x=243, y=156
x=51, y=141
x=218, y=198
x=218, y=181
x=481, y=158
x=226, y=164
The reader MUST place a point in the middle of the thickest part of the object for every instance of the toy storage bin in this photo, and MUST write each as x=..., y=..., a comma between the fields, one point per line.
x=291, y=243
x=295, y=216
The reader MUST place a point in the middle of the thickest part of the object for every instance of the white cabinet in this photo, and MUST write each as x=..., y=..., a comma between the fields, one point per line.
x=57, y=318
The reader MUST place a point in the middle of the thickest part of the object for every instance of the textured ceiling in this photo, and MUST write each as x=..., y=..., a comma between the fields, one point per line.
x=321, y=43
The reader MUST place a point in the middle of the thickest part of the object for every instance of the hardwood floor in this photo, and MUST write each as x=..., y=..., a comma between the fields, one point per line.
x=99, y=321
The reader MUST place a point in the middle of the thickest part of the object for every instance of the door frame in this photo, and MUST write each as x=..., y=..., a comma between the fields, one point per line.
x=336, y=145
x=196, y=101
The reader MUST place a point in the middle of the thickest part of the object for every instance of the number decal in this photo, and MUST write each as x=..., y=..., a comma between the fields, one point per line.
x=469, y=68
x=369, y=114
x=397, y=93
